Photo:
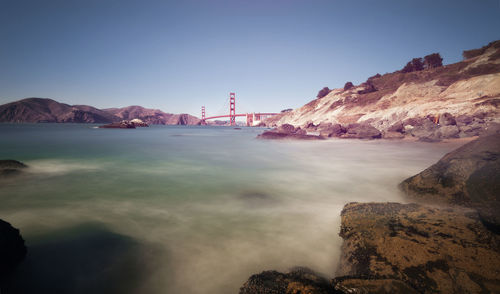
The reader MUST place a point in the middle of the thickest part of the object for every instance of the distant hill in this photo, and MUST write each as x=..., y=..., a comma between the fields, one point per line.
x=47, y=110
x=152, y=116
x=35, y=110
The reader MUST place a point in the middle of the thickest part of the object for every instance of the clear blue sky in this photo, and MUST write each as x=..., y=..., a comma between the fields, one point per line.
x=179, y=55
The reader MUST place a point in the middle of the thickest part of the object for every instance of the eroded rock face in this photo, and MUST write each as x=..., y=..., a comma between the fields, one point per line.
x=432, y=250
x=468, y=176
x=12, y=248
x=9, y=167
x=299, y=280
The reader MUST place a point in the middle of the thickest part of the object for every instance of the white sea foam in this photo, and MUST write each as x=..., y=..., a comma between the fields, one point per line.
x=52, y=167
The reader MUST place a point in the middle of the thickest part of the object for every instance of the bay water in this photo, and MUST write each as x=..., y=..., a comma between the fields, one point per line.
x=186, y=209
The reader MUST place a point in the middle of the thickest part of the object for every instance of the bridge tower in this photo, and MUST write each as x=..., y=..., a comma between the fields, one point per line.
x=232, y=109
x=203, y=115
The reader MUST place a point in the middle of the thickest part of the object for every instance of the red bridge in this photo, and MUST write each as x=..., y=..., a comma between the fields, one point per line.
x=251, y=117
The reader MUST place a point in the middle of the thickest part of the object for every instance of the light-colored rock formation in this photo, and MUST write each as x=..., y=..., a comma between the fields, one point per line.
x=470, y=88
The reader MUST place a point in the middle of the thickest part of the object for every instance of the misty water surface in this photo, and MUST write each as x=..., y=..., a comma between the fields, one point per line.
x=174, y=209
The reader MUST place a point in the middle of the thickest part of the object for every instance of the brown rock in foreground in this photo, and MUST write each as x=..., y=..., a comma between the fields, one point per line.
x=468, y=176
x=433, y=250
x=299, y=280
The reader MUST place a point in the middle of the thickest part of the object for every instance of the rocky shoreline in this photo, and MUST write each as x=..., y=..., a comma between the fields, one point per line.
x=448, y=242
x=425, y=130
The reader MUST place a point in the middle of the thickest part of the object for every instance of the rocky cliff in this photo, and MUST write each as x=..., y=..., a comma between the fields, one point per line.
x=35, y=110
x=455, y=100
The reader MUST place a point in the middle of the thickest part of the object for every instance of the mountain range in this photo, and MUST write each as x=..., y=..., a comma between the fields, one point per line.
x=36, y=110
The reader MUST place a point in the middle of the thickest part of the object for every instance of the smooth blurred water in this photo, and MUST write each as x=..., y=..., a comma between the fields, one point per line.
x=177, y=209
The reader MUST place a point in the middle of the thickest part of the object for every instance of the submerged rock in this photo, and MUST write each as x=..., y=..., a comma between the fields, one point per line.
x=12, y=248
x=431, y=250
x=10, y=167
x=468, y=176
x=298, y=280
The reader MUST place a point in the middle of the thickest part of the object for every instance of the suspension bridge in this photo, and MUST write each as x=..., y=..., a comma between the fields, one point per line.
x=253, y=118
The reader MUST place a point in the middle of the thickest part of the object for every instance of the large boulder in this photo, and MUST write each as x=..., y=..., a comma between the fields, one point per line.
x=10, y=167
x=12, y=248
x=448, y=131
x=468, y=176
x=426, y=131
x=432, y=250
x=331, y=130
x=299, y=280
x=362, y=131
x=287, y=131
x=446, y=119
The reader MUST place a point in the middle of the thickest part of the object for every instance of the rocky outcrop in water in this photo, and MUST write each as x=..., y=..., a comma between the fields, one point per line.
x=468, y=176
x=119, y=125
x=12, y=248
x=433, y=250
x=9, y=167
x=451, y=101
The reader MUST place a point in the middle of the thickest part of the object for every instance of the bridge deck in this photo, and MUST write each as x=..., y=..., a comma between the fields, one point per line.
x=239, y=115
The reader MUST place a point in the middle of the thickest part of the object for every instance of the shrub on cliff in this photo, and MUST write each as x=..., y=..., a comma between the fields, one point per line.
x=369, y=87
x=348, y=86
x=323, y=92
x=415, y=64
x=433, y=60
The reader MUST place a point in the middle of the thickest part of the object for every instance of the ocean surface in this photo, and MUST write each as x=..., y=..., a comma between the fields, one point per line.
x=177, y=209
